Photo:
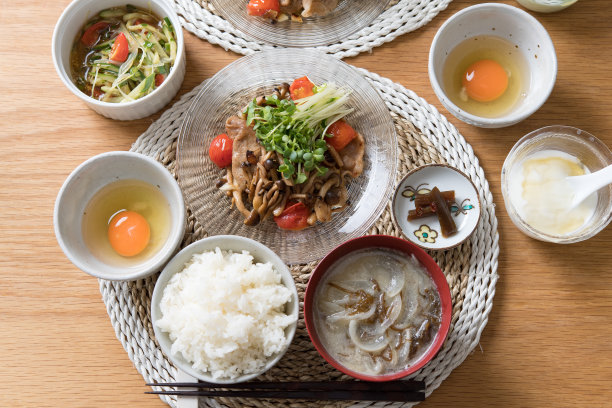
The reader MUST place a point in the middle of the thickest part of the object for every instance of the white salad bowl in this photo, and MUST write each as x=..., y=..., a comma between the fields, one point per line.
x=514, y=25
x=68, y=26
x=236, y=244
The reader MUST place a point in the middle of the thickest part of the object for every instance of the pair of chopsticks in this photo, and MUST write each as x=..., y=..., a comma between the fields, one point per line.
x=398, y=391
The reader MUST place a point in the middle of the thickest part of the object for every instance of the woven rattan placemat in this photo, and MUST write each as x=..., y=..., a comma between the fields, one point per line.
x=401, y=17
x=425, y=137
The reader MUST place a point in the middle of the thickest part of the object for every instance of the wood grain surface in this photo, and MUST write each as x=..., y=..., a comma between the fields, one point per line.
x=547, y=343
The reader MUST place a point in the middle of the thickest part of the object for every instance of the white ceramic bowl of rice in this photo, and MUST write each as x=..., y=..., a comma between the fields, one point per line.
x=225, y=309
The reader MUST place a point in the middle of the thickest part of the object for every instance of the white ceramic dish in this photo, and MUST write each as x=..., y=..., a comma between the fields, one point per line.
x=425, y=232
x=89, y=178
x=260, y=253
x=70, y=23
x=516, y=26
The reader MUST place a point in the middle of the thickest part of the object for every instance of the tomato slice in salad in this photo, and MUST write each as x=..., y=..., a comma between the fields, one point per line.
x=294, y=217
x=91, y=35
x=120, y=49
x=159, y=79
x=301, y=88
x=220, y=150
x=342, y=134
x=263, y=7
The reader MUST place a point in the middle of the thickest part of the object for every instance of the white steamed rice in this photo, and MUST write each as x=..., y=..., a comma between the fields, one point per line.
x=225, y=314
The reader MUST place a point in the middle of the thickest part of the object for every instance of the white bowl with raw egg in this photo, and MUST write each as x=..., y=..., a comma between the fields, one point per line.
x=119, y=216
x=492, y=65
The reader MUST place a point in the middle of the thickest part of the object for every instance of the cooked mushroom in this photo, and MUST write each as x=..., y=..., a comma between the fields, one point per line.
x=281, y=185
x=332, y=197
x=237, y=195
x=335, y=155
x=252, y=219
x=270, y=164
x=322, y=210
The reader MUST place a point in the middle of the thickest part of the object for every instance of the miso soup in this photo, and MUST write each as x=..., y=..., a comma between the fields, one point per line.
x=377, y=311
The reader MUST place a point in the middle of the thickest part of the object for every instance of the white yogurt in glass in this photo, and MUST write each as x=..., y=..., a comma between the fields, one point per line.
x=542, y=197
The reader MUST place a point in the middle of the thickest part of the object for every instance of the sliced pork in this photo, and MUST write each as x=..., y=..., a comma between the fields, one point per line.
x=318, y=8
x=246, y=149
x=352, y=155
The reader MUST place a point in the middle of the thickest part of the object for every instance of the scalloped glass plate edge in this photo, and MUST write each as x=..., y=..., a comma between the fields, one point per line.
x=349, y=17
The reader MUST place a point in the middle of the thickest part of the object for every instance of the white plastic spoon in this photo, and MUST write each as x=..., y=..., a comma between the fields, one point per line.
x=584, y=186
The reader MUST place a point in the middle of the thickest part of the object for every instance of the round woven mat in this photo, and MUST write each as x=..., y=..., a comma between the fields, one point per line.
x=425, y=137
x=400, y=17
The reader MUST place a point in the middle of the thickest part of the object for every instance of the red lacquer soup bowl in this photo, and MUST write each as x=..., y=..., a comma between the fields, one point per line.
x=399, y=247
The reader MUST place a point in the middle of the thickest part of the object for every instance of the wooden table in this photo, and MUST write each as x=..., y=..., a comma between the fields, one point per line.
x=547, y=342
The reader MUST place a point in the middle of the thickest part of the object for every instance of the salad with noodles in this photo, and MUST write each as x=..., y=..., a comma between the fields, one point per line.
x=123, y=54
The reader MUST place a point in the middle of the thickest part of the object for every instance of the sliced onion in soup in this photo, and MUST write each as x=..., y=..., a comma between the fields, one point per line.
x=366, y=341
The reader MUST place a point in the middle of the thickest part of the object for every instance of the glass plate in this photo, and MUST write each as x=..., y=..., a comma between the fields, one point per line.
x=347, y=18
x=228, y=92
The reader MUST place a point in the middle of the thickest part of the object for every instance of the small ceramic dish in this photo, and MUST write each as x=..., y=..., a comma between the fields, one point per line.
x=425, y=232
x=511, y=24
x=81, y=187
x=70, y=23
x=377, y=242
x=236, y=244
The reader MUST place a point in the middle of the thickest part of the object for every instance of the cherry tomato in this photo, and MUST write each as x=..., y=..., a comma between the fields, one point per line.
x=97, y=93
x=261, y=7
x=120, y=49
x=220, y=150
x=301, y=88
x=294, y=217
x=91, y=35
x=159, y=79
x=342, y=134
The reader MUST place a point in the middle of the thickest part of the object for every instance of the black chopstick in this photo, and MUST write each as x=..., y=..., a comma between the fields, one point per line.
x=395, y=391
x=407, y=385
x=395, y=396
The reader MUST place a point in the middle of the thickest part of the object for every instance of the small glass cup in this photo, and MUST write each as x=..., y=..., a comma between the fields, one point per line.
x=546, y=6
x=593, y=153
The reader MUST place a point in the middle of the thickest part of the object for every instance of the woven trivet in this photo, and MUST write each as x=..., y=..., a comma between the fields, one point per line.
x=400, y=17
x=425, y=137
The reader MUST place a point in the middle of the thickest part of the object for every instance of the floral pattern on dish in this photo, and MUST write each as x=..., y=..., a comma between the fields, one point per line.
x=426, y=234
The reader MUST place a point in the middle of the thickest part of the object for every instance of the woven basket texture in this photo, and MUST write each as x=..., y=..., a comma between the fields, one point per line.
x=400, y=17
x=424, y=137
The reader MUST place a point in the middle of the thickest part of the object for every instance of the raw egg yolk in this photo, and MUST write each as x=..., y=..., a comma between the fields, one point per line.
x=128, y=233
x=485, y=80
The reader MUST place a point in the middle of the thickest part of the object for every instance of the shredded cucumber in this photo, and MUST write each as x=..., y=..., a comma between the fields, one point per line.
x=152, y=51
